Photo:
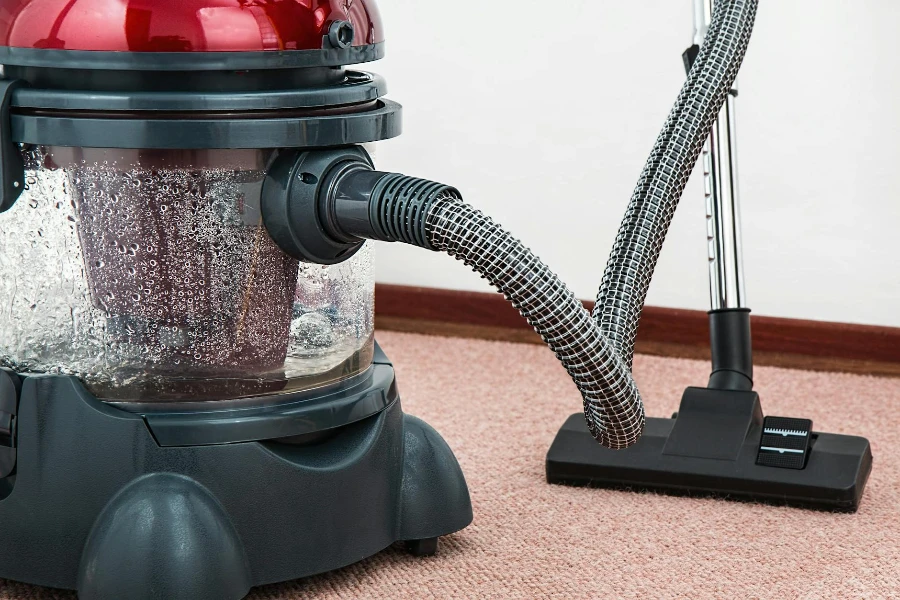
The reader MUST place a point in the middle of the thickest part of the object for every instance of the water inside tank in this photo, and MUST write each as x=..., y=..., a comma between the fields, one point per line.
x=150, y=276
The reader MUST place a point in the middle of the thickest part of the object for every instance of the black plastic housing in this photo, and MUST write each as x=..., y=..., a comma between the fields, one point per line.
x=292, y=207
x=99, y=505
x=189, y=100
x=10, y=384
x=731, y=349
x=321, y=205
x=711, y=448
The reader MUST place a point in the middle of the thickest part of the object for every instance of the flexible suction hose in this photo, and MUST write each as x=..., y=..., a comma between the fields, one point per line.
x=596, y=350
x=612, y=402
x=661, y=184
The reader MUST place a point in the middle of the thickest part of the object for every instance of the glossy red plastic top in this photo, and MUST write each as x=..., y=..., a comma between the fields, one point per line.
x=183, y=25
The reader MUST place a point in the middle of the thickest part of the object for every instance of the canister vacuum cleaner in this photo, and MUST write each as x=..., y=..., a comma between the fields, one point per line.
x=192, y=401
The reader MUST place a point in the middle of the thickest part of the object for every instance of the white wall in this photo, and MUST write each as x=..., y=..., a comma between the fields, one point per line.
x=543, y=113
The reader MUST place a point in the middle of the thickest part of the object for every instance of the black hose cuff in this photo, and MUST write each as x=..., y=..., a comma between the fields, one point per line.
x=320, y=206
x=731, y=349
x=383, y=206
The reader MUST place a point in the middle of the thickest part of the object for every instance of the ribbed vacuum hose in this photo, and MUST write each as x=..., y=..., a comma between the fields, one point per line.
x=596, y=350
x=612, y=402
x=661, y=184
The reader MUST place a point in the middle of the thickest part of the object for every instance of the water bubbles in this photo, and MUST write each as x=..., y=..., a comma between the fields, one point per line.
x=149, y=274
x=312, y=330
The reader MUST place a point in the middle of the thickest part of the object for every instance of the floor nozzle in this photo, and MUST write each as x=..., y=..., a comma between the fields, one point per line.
x=719, y=444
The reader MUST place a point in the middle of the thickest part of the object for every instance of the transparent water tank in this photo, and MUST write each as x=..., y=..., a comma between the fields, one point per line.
x=149, y=275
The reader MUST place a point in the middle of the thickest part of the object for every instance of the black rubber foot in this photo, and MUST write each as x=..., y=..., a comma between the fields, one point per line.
x=712, y=449
x=426, y=547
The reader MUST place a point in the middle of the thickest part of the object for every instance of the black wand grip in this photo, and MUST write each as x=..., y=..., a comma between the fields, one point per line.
x=731, y=349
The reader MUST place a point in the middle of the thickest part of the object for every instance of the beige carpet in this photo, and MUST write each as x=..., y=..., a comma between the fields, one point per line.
x=499, y=406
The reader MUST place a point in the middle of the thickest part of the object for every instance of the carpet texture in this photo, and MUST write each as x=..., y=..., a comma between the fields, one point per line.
x=499, y=406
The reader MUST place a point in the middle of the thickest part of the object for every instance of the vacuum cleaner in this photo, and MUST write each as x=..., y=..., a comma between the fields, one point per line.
x=192, y=400
x=719, y=442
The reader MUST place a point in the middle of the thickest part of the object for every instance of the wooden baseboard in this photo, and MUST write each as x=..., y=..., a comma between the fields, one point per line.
x=791, y=343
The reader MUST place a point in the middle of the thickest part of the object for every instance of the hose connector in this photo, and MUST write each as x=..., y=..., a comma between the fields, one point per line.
x=290, y=204
x=329, y=200
x=321, y=206
x=390, y=207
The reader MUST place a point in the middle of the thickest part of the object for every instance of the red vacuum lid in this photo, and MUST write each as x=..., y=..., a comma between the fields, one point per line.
x=183, y=25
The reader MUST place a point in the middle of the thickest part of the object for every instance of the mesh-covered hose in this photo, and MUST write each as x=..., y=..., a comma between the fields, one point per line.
x=595, y=350
x=661, y=184
x=612, y=403
x=598, y=352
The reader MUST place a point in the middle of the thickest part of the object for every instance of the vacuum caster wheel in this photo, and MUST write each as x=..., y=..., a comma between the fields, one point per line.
x=426, y=547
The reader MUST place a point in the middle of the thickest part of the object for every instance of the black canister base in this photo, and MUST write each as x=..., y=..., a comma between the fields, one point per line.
x=97, y=504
